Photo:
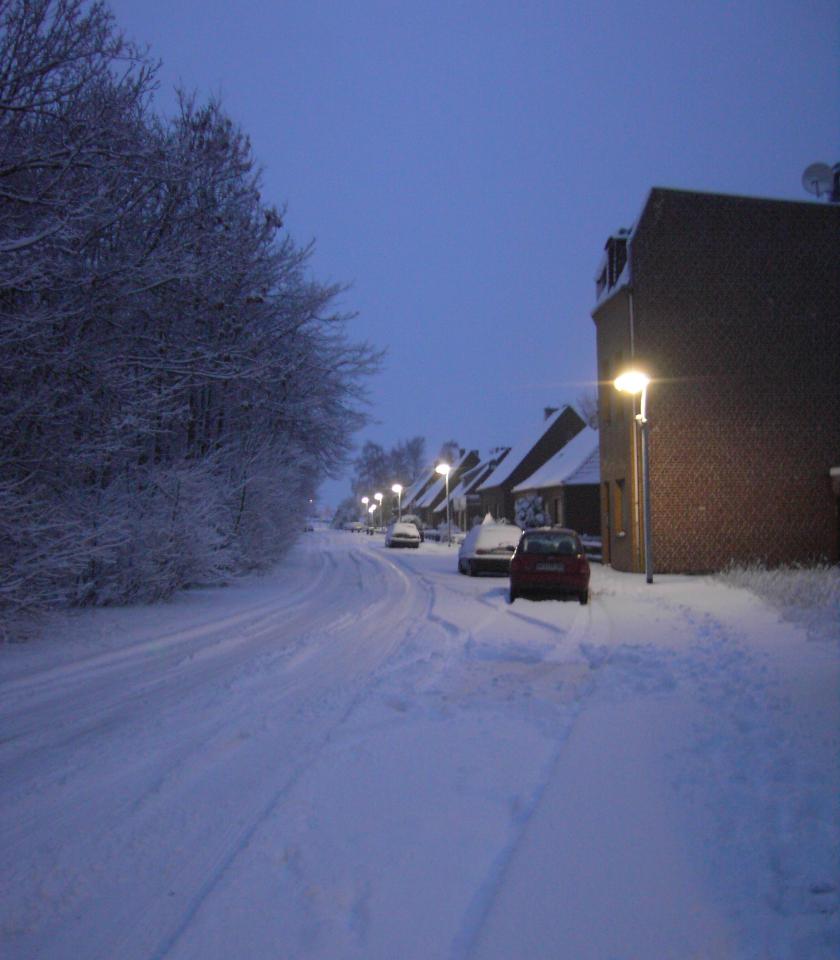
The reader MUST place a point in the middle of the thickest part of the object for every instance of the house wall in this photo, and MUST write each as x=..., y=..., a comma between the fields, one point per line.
x=583, y=508
x=735, y=309
x=619, y=506
x=576, y=506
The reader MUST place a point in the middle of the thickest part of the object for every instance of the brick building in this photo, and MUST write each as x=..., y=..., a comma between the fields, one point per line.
x=732, y=306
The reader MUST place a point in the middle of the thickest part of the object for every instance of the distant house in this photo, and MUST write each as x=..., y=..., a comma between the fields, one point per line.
x=465, y=501
x=569, y=483
x=417, y=489
x=435, y=493
x=732, y=306
x=558, y=427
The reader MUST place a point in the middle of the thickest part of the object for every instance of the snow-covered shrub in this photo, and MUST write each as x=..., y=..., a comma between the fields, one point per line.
x=530, y=511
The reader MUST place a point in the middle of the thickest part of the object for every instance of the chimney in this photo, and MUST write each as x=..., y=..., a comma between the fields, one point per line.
x=616, y=256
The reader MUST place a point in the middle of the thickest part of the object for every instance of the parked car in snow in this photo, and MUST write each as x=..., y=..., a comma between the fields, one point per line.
x=549, y=561
x=402, y=534
x=413, y=518
x=488, y=548
x=354, y=526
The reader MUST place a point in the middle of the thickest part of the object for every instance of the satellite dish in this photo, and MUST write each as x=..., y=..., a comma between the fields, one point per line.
x=818, y=179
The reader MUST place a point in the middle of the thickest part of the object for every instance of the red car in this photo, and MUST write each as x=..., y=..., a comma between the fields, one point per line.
x=549, y=560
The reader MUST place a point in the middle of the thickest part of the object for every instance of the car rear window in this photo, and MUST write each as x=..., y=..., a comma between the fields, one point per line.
x=560, y=543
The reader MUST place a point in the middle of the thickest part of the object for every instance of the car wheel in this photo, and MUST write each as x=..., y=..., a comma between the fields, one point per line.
x=512, y=595
x=583, y=596
x=471, y=568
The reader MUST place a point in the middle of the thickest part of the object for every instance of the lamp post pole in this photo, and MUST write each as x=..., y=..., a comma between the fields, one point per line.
x=635, y=382
x=444, y=468
x=397, y=488
x=365, y=502
x=644, y=426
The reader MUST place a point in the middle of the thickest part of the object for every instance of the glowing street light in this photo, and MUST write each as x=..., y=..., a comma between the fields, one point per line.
x=634, y=381
x=398, y=489
x=444, y=468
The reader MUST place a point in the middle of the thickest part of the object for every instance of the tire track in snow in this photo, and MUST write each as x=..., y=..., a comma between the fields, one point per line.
x=386, y=632
x=591, y=621
x=186, y=678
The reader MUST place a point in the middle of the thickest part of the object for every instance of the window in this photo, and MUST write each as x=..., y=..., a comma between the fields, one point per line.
x=550, y=543
x=618, y=507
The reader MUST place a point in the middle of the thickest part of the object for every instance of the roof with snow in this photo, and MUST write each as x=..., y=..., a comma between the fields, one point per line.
x=576, y=463
x=521, y=450
x=439, y=486
x=416, y=488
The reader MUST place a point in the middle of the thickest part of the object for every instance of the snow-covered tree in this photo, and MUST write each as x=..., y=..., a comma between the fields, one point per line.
x=175, y=384
x=587, y=406
x=378, y=468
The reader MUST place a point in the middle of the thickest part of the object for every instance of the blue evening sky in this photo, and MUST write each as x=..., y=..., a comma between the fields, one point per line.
x=460, y=164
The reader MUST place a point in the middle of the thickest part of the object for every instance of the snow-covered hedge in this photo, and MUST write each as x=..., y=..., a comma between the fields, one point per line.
x=807, y=595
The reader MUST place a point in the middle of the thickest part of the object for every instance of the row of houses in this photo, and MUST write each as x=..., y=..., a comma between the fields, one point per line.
x=731, y=306
x=556, y=465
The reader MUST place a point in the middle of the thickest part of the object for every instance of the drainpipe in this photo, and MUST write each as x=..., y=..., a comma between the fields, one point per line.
x=636, y=508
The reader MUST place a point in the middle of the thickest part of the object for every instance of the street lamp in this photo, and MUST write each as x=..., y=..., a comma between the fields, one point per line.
x=634, y=381
x=378, y=498
x=398, y=489
x=444, y=468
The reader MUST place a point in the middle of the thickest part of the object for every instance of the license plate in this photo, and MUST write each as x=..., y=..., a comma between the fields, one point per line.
x=553, y=567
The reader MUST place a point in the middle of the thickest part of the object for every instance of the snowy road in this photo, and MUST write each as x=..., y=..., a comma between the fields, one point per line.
x=366, y=755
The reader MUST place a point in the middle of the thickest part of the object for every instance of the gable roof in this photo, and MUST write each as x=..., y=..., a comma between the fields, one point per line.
x=438, y=488
x=576, y=463
x=471, y=479
x=521, y=450
x=427, y=476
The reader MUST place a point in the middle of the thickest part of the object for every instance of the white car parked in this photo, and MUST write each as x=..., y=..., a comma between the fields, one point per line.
x=488, y=548
x=402, y=534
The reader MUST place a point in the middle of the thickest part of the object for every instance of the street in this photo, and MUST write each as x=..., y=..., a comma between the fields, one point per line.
x=366, y=755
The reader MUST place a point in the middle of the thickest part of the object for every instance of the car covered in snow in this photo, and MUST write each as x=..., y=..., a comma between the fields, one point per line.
x=488, y=548
x=402, y=534
x=549, y=561
x=413, y=518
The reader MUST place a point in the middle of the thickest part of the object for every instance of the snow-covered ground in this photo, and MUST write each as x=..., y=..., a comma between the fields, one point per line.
x=366, y=755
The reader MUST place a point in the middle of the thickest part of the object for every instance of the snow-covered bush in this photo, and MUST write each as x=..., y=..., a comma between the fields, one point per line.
x=530, y=511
